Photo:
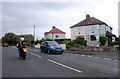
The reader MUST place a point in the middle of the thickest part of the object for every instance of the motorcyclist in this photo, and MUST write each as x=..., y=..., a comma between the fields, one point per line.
x=18, y=45
x=20, y=48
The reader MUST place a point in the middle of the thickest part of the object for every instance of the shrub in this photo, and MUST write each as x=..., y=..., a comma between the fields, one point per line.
x=115, y=43
x=102, y=40
x=72, y=44
x=80, y=40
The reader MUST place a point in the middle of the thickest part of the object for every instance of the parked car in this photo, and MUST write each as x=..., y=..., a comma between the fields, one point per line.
x=5, y=44
x=51, y=47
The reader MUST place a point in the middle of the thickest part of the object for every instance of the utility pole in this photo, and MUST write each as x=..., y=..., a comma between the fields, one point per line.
x=34, y=35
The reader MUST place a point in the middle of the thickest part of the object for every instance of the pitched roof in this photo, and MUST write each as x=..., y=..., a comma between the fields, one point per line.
x=55, y=30
x=89, y=21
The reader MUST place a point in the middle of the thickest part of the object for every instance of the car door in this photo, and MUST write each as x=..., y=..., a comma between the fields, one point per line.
x=46, y=46
x=43, y=46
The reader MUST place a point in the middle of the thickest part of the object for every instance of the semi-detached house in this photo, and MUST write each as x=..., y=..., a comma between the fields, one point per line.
x=91, y=29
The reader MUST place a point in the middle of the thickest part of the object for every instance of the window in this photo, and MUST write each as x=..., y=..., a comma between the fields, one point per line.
x=93, y=38
x=56, y=36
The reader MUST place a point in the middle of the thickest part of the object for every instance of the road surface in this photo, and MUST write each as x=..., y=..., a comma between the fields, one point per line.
x=40, y=64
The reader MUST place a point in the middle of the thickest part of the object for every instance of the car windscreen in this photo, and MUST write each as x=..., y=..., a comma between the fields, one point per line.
x=51, y=43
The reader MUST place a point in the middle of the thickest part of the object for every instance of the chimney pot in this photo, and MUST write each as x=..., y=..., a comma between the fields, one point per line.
x=53, y=27
x=87, y=16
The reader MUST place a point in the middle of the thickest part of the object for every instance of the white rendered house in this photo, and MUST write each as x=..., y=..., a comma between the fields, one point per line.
x=91, y=29
x=55, y=34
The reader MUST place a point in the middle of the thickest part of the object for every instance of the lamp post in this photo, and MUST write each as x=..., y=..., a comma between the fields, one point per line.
x=34, y=35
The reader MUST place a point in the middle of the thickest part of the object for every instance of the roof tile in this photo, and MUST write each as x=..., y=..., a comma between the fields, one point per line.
x=55, y=30
x=88, y=21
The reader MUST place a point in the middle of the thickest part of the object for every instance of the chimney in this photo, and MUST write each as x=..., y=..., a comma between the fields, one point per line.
x=53, y=27
x=87, y=16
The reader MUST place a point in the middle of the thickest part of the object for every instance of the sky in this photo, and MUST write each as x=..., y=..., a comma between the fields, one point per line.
x=20, y=17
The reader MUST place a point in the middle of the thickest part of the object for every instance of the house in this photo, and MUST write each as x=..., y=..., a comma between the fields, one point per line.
x=91, y=29
x=55, y=34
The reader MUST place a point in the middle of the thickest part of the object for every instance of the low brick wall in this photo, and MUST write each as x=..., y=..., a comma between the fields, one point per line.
x=92, y=49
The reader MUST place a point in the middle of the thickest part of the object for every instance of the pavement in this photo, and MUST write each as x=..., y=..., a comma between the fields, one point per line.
x=68, y=64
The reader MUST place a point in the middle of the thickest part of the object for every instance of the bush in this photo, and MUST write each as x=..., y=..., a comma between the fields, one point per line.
x=72, y=44
x=115, y=43
x=66, y=42
x=80, y=40
x=102, y=40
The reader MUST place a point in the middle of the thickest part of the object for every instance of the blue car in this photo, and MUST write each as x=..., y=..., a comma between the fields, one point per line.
x=51, y=47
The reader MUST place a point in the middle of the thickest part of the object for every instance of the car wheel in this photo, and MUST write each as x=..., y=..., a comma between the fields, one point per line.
x=41, y=50
x=48, y=51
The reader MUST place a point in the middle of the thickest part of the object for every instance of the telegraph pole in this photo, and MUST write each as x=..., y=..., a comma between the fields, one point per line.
x=34, y=35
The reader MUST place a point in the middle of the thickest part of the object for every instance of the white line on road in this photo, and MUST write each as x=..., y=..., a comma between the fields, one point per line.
x=36, y=55
x=82, y=55
x=115, y=60
x=76, y=54
x=64, y=65
x=32, y=53
x=107, y=59
x=96, y=57
x=90, y=56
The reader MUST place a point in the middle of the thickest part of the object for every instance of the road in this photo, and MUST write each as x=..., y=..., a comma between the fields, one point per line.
x=40, y=64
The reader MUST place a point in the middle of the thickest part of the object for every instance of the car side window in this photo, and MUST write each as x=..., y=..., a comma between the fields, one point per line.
x=46, y=43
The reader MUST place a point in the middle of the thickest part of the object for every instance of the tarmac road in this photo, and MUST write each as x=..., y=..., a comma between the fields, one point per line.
x=40, y=64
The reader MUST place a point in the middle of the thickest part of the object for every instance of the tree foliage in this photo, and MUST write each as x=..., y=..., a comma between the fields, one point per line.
x=42, y=40
x=66, y=42
x=102, y=40
x=79, y=41
x=13, y=39
x=115, y=43
x=10, y=38
x=29, y=38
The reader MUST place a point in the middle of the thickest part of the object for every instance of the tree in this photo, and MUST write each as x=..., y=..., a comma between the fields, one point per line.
x=29, y=38
x=10, y=38
x=102, y=40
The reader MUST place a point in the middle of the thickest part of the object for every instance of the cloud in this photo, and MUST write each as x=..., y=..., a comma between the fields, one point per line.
x=20, y=17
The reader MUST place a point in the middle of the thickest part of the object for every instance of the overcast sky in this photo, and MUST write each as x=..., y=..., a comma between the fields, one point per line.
x=20, y=17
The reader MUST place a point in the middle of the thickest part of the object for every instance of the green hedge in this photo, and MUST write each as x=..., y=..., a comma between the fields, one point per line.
x=115, y=43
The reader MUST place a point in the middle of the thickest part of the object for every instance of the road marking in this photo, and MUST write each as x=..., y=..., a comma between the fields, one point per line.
x=96, y=57
x=64, y=66
x=76, y=54
x=82, y=55
x=36, y=55
x=89, y=56
x=115, y=60
x=107, y=59
x=32, y=53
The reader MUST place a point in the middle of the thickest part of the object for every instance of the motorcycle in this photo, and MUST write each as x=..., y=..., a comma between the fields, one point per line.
x=23, y=52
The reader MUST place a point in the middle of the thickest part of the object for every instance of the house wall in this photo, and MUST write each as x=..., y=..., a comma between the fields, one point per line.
x=53, y=36
x=87, y=31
